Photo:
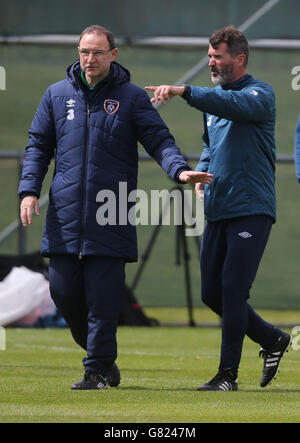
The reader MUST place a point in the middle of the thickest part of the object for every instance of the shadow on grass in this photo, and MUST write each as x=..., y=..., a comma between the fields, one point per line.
x=194, y=389
x=143, y=388
x=273, y=391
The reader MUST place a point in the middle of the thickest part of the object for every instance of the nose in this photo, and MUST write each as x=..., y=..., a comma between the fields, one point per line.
x=91, y=57
x=212, y=62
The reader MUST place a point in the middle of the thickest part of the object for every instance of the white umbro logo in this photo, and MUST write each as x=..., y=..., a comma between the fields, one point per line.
x=245, y=234
x=209, y=120
x=70, y=103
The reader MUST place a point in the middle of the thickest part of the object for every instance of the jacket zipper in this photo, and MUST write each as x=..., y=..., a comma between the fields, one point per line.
x=84, y=180
x=85, y=173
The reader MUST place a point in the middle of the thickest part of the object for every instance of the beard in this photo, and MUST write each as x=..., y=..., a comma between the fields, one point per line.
x=224, y=76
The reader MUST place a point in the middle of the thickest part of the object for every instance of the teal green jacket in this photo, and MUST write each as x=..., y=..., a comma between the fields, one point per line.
x=239, y=148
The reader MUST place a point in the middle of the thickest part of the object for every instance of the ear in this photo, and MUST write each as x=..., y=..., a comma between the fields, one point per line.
x=242, y=59
x=114, y=53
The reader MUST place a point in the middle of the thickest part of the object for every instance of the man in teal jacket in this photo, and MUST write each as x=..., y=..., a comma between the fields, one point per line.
x=240, y=206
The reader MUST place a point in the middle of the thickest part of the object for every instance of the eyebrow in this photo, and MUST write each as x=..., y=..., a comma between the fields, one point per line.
x=91, y=50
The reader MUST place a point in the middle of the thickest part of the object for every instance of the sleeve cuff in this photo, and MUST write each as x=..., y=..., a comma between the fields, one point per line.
x=179, y=172
x=187, y=93
x=27, y=194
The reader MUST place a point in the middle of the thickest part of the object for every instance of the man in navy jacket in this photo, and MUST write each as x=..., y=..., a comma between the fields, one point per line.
x=91, y=123
x=239, y=149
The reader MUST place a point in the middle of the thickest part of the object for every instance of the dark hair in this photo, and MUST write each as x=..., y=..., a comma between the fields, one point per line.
x=100, y=30
x=235, y=39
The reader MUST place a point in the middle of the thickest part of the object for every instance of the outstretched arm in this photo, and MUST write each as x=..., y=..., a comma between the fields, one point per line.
x=253, y=103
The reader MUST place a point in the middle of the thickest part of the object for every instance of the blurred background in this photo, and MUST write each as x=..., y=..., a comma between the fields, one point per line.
x=160, y=42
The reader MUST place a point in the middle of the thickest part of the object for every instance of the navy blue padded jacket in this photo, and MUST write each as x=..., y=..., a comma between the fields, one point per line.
x=95, y=147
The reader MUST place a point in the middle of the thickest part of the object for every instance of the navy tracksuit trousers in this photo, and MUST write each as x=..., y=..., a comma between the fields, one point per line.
x=231, y=251
x=88, y=293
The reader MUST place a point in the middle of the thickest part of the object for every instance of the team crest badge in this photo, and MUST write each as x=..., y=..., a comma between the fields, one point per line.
x=111, y=106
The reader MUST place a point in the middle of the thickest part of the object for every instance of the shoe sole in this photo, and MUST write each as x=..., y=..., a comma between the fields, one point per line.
x=89, y=389
x=275, y=375
x=216, y=390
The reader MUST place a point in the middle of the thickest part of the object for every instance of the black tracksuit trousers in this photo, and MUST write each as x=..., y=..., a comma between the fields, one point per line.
x=88, y=293
x=231, y=251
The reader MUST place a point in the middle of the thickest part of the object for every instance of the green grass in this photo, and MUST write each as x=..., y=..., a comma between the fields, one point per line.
x=204, y=316
x=161, y=369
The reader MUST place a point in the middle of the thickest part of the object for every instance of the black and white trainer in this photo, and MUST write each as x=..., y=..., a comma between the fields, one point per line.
x=91, y=381
x=272, y=358
x=113, y=376
x=225, y=380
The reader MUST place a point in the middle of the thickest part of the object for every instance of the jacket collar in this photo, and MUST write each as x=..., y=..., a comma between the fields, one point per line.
x=239, y=83
x=119, y=74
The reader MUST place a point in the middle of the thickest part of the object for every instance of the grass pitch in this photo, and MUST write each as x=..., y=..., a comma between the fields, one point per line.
x=161, y=369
